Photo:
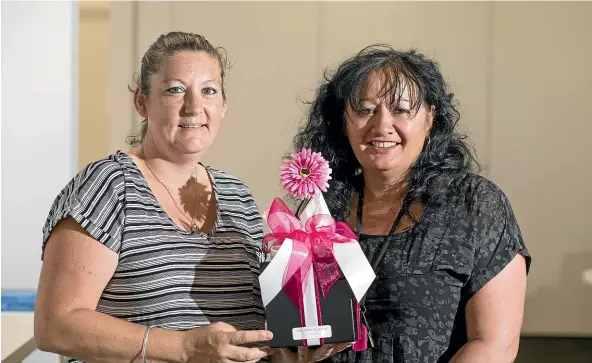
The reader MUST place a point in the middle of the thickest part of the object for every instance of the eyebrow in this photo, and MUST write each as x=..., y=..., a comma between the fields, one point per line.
x=182, y=81
x=211, y=81
x=166, y=80
x=372, y=99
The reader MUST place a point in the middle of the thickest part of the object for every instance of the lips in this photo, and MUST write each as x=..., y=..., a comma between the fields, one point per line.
x=191, y=126
x=383, y=144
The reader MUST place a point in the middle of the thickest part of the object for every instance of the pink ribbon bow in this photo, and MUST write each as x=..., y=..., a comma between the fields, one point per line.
x=312, y=246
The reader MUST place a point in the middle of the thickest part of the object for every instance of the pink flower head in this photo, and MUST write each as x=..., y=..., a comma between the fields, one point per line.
x=305, y=172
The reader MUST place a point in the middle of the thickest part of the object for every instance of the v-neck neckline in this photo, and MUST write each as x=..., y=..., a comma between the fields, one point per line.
x=212, y=180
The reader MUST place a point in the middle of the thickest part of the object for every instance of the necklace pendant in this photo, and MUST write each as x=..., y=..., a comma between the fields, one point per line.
x=194, y=227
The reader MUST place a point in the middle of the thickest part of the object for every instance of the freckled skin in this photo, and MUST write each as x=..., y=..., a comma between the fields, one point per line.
x=186, y=90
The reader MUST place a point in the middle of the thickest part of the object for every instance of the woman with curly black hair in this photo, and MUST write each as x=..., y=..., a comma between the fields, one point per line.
x=443, y=241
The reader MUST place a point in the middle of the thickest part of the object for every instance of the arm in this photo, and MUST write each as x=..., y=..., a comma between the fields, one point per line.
x=494, y=317
x=75, y=271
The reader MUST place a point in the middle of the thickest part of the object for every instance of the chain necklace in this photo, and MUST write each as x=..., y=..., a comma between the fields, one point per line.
x=194, y=227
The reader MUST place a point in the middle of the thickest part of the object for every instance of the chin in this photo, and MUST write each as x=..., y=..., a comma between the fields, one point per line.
x=193, y=148
x=384, y=164
x=384, y=168
x=193, y=145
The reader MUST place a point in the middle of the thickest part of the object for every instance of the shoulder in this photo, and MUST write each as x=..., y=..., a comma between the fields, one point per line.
x=480, y=209
x=474, y=204
x=489, y=223
x=476, y=193
x=110, y=167
x=95, y=198
x=226, y=182
x=99, y=177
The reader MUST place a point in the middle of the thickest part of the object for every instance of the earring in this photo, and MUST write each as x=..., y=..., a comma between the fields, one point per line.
x=428, y=143
x=358, y=171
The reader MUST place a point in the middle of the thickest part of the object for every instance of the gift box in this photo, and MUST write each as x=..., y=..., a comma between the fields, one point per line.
x=314, y=278
x=338, y=325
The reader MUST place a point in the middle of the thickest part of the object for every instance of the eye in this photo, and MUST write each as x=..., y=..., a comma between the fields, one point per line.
x=176, y=90
x=365, y=112
x=209, y=91
x=402, y=111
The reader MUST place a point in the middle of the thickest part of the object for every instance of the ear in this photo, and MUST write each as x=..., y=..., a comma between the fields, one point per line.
x=430, y=115
x=140, y=103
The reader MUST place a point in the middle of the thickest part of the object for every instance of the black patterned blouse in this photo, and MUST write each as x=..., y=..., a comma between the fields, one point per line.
x=416, y=305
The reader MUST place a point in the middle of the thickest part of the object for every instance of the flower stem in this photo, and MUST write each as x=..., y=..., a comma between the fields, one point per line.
x=301, y=207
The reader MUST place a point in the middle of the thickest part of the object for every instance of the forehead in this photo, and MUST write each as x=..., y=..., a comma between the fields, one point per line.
x=386, y=84
x=189, y=64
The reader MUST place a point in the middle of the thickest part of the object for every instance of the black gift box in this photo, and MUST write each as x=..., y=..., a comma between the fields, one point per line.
x=337, y=311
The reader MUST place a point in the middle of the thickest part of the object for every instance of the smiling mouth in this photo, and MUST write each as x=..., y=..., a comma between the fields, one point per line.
x=190, y=126
x=383, y=144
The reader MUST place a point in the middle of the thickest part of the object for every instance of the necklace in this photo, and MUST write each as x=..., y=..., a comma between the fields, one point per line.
x=194, y=227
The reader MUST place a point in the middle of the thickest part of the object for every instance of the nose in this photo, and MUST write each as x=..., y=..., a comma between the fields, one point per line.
x=193, y=104
x=384, y=120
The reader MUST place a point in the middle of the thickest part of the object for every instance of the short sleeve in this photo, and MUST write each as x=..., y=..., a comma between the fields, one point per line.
x=497, y=237
x=95, y=199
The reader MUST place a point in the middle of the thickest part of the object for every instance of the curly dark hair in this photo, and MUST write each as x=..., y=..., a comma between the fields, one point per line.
x=444, y=160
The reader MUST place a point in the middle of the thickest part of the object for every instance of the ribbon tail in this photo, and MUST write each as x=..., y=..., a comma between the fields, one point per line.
x=319, y=313
x=361, y=343
x=326, y=270
x=311, y=308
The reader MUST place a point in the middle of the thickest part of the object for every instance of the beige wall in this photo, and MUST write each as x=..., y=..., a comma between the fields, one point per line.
x=541, y=151
x=93, y=43
x=523, y=89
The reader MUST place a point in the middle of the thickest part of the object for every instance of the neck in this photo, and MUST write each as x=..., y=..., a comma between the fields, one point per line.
x=170, y=168
x=380, y=186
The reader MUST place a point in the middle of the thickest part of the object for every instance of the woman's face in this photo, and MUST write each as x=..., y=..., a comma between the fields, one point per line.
x=185, y=105
x=383, y=139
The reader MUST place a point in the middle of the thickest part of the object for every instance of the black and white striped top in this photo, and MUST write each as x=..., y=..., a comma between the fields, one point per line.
x=167, y=277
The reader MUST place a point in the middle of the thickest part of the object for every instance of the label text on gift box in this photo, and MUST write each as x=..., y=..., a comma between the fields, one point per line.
x=315, y=332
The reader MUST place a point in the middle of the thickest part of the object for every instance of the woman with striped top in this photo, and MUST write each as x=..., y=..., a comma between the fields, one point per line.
x=150, y=255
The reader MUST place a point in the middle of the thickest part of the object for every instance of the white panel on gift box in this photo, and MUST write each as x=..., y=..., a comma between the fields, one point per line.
x=271, y=278
x=311, y=318
x=357, y=271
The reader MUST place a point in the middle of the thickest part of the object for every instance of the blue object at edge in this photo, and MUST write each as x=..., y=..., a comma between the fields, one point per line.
x=23, y=301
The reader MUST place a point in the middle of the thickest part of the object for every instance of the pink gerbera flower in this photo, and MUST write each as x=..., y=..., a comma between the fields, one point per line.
x=305, y=172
